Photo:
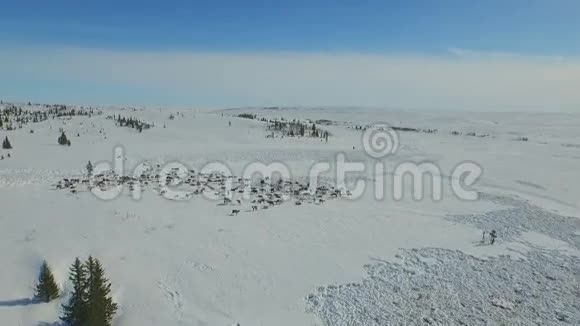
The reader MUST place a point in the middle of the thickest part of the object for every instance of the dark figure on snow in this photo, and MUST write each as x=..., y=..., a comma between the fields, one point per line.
x=492, y=236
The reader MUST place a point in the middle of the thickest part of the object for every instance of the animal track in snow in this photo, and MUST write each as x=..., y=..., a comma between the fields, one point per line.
x=174, y=298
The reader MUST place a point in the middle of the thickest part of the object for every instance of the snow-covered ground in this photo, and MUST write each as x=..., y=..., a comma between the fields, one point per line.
x=191, y=262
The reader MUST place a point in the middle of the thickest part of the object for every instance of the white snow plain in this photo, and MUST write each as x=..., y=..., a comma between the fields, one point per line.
x=191, y=263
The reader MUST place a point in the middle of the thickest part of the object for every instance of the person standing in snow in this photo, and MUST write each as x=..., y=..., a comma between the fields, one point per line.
x=492, y=235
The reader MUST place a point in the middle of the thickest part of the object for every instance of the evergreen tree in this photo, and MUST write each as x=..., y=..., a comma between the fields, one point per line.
x=46, y=289
x=6, y=144
x=101, y=305
x=62, y=140
x=89, y=169
x=75, y=312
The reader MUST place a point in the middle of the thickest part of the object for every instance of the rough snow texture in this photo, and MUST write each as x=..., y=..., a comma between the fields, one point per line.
x=443, y=287
x=435, y=286
x=522, y=217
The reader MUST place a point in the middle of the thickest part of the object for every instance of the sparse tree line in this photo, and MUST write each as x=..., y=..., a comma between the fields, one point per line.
x=474, y=134
x=60, y=110
x=15, y=117
x=470, y=134
x=324, y=122
x=247, y=116
x=12, y=117
x=398, y=128
x=90, y=303
x=408, y=129
x=297, y=128
x=252, y=117
x=293, y=128
x=130, y=122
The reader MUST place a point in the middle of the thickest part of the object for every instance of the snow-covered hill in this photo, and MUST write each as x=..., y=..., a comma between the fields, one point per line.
x=192, y=262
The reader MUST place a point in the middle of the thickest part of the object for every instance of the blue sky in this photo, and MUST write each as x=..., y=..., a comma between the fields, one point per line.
x=412, y=54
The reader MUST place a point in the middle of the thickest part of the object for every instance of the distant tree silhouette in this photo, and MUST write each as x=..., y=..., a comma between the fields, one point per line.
x=62, y=140
x=90, y=169
x=6, y=144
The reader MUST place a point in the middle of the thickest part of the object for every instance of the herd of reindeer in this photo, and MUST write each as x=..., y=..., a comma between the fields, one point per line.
x=252, y=193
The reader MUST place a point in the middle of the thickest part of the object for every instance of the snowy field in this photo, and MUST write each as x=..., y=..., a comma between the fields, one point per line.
x=344, y=261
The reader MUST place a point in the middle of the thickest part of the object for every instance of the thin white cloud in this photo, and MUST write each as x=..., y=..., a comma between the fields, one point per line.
x=473, y=54
x=462, y=80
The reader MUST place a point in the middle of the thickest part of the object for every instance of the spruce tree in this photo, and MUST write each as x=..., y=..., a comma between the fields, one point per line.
x=75, y=312
x=62, y=140
x=101, y=305
x=90, y=169
x=6, y=144
x=46, y=289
